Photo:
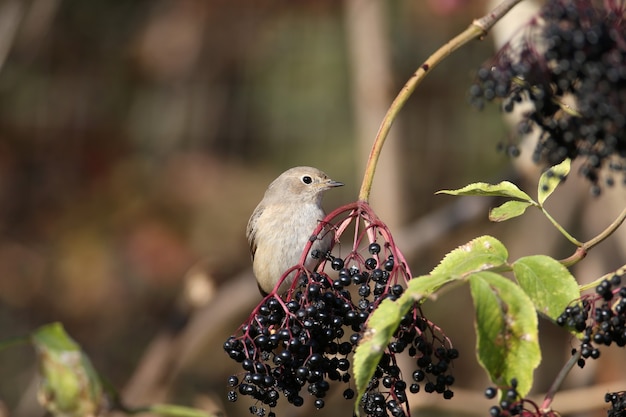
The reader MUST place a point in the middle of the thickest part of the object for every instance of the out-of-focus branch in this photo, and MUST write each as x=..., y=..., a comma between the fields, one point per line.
x=11, y=14
x=367, y=38
x=172, y=351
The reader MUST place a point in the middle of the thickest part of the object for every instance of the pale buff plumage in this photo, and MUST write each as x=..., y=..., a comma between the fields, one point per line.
x=284, y=221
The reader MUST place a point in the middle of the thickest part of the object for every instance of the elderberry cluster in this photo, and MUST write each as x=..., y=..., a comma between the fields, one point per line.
x=600, y=317
x=618, y=403
x=287, y=346
x=513, y=404
x=302, y=342
x=572, y=53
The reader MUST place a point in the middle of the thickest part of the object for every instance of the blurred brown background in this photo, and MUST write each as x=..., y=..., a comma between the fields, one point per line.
x=136, y=137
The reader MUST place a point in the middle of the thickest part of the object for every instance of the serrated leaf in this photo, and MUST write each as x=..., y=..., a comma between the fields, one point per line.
x=423, y=287
x=480, y=254
x=383, y=323
x=506, y=330
x=502, y=189
x=380, y=328
x=550, y=285
x=508, y=210
x=550, y=179
x=69, y=385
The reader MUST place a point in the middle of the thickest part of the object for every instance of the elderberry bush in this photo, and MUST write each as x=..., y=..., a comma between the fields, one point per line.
x=573, y=52
x=302, y=342
x=599, y=317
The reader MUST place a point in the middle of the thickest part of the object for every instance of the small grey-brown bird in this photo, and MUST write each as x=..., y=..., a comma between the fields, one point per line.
x=284, y=221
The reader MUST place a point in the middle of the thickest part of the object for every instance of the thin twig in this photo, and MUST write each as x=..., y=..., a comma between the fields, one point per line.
x=560, y=228
x=581, y=251
x=556, y=384
x=608, y=231
x=486, y=22
x=619, y=272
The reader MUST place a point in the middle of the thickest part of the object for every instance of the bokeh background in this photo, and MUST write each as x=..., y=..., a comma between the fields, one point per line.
x=136, y=138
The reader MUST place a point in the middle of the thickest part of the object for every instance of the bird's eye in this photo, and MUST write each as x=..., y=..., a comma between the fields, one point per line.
x=307, y=180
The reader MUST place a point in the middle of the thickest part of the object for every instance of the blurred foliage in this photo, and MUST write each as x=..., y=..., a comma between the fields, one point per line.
x=69, y=384
x=137, y=136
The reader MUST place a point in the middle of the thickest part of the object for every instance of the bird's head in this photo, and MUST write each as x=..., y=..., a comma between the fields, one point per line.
x=301, y=184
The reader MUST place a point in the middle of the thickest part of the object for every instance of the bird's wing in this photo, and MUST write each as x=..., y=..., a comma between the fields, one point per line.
x=251, y=229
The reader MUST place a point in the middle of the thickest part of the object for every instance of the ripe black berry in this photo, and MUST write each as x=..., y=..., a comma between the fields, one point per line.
x=370, y=263
x=232, y=396
x=319, y=403
x=388, y=264
x=374, y=248
x=337, y=264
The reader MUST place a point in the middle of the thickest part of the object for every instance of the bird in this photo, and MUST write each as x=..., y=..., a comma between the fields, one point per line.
x=282, y=224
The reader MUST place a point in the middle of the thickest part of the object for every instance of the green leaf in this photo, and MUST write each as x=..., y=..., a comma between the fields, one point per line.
x=480, y=254
x=52, y=338
x=502, y=189
x=508, y=210
x=383, y=323
x=549, y=284
x=423, y=287
x=506, y=330
x=380, y=328
x=550, y=179
x=70, y=386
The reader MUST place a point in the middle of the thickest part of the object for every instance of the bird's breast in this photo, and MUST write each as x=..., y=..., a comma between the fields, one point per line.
x=283, y=237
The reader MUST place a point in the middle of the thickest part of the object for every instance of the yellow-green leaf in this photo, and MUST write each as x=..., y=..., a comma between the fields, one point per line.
x=506, y=330
x=508, y=210
x=480, y=254
x=423, y=287
x=547, y=282
x=550, y=179
x=502, y=189
x=70, y=386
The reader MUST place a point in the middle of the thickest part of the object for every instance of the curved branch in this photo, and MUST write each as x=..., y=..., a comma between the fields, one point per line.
x=581, y=251
x=477, y=30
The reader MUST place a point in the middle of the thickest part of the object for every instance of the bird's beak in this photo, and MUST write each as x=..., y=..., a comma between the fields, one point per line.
x=332, y=184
